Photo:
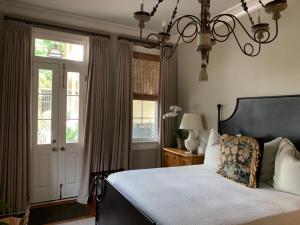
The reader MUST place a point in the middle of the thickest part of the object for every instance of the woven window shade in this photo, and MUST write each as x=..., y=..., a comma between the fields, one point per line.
x=146, y=71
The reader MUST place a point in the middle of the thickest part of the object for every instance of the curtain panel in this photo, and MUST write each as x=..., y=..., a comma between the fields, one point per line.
x=167, y=97
x=96, y=145
x=123, y=109
x=15, y=116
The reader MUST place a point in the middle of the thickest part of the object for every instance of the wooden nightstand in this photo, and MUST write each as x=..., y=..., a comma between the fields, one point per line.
x=177, y=157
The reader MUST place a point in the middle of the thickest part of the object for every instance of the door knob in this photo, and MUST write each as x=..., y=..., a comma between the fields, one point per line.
x=62, y=149
x=54, y=149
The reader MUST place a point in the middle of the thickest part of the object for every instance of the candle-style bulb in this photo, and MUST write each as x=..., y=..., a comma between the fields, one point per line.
x=259, y=17
x=142, y=5
x=164, y=25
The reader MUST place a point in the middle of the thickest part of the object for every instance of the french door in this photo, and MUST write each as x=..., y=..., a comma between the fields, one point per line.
x=57, y=130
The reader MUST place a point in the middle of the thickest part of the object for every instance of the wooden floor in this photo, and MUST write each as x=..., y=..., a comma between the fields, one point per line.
x=77, y=221
x=86, y=220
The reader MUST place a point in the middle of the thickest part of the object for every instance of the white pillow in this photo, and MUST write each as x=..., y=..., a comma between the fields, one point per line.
x=212, y=152
x=287, y=168
x=268, y=161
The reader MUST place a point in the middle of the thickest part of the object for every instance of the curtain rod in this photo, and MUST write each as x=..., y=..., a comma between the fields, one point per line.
x=56, y=27
x=73, y=30
x=137, y=41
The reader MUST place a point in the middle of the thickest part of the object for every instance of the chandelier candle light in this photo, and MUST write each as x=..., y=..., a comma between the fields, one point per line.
x=203, y=28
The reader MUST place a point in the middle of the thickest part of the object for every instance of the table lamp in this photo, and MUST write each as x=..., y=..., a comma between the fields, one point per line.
x=193, y=123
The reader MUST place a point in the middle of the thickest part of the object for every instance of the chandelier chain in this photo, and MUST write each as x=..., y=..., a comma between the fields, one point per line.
x=245, y=7
x=173, y=17
x=262, y=4
x=154, y=10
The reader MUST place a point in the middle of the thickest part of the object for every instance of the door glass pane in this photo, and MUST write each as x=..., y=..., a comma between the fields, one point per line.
x=72, y=122
x=58, y=49
x=72, y=131
x=44, y=106
x=73, y=83
x=45, y=79
x=72, y=107
x=44, y=132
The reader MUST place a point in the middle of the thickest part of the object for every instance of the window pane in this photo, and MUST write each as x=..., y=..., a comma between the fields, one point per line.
x=44, y=132
x=57, y=49
x=44, y=106
x=45, y=81
x=73, y=83
x=72, y=130
x=144, y=119
x=72, y=107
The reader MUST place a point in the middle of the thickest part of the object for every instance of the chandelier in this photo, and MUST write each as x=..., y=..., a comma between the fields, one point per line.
x=204, y=29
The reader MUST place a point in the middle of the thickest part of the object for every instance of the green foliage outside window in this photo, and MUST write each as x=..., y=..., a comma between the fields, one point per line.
x=71, y=135
x=43, y=47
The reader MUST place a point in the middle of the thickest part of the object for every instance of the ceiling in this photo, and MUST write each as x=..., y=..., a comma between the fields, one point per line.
x=121, y=11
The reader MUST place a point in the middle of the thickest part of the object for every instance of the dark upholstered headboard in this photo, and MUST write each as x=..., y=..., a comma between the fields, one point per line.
x=266, y=117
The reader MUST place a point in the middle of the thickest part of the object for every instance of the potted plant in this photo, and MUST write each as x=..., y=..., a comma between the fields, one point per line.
x=181, y=135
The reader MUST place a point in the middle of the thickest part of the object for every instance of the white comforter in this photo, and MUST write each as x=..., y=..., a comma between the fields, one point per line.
x=196, y=195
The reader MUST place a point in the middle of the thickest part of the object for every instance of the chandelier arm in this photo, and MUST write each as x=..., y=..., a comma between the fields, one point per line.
x=225, y=37
x=192, y=17
x=253, y=38
x=275, y=36
x=219, y=37
x=244, y=48
x=182, y=37
x=192, y=36
x=149, y=41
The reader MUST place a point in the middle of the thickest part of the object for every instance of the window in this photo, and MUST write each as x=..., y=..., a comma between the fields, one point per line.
x=55, y=45
x=58, y=50
x=146, y=71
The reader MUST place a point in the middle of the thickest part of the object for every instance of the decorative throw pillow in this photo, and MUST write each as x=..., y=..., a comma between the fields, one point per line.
x=287, y=168
x=240, y=159
x=212, y=152
x=268, y=160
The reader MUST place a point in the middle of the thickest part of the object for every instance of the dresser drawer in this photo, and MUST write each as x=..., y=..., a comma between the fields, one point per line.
x=172, y=157
x=170, y=160
x=185, y=161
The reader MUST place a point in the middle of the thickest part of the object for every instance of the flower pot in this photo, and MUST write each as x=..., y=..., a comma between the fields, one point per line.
x=180, y=143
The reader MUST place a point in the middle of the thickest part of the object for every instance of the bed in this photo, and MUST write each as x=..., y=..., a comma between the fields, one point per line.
x=196, y=195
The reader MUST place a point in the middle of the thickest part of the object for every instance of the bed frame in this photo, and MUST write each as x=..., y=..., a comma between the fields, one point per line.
x=266, y=117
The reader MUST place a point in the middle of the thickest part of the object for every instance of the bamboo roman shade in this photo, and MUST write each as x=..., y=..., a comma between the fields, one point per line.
x=146, y=71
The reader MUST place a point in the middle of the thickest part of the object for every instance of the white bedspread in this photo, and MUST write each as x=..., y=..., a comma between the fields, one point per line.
x=196, y=195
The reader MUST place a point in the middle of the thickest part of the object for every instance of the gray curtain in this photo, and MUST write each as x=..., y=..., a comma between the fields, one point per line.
x=123, y=109
x=96, y=145
x=167, y=97
x=15, y=116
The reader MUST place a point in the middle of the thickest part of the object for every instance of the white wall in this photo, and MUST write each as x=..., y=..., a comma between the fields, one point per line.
x=231, y=74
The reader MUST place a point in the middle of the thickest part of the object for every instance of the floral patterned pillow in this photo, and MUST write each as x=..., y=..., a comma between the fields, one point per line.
x=240, y=158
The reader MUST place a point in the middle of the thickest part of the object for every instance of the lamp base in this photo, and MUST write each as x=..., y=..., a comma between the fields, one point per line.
x=192, y=143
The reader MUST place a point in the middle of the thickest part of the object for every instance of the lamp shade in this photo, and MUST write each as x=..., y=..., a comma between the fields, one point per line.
x=191, y=121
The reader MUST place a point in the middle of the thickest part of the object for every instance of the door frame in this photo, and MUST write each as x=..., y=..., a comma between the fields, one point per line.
x=52, y=62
